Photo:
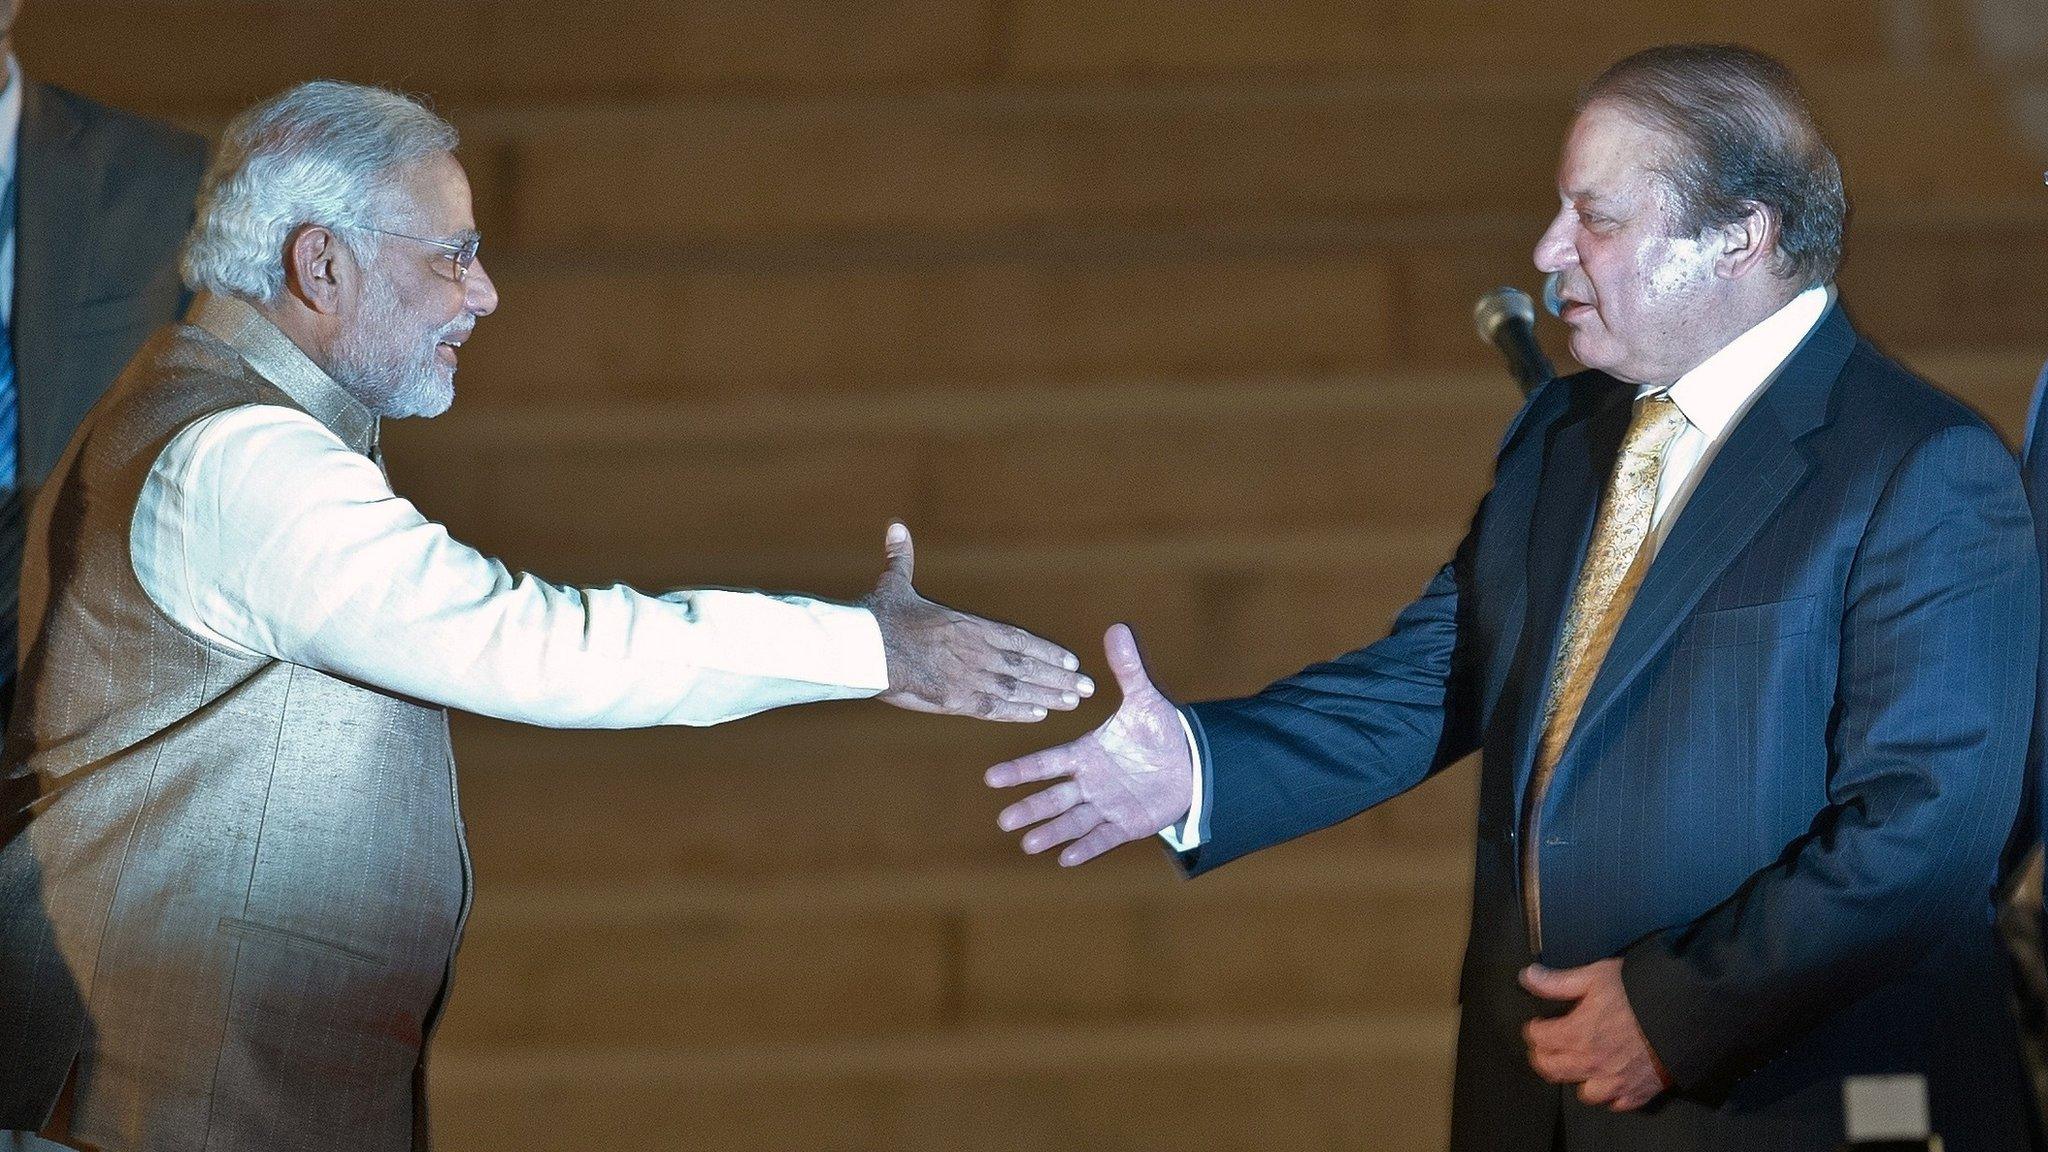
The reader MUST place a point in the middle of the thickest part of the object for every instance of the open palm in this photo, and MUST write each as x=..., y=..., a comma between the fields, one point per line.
x=1124, y=781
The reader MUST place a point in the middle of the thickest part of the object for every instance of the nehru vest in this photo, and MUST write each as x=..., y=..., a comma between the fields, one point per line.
x=231, y=887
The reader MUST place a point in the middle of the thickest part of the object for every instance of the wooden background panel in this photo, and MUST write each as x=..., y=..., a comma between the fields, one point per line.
x=228, y=53
x=1148, y=37
x=851, y=791
x=1313, y=1084
x=1024, y=469
x=914, y=950
x=722, y=325
x=995, y=160
x=1308, y=301
x=981, y=160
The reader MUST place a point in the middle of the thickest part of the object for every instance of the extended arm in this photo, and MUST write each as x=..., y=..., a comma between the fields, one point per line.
x=1337, y=737
x=261, y=533
x=1303, y=754
x=1328, y=742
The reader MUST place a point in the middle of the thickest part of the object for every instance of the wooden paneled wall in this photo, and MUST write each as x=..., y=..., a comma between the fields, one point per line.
x=1136, y=309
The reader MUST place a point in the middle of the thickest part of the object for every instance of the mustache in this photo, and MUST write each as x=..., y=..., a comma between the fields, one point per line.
x=1558, y=292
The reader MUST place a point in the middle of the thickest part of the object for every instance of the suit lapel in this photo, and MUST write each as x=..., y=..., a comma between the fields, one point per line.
x=54, y=240
x=1756, y=470
x=1577, y=458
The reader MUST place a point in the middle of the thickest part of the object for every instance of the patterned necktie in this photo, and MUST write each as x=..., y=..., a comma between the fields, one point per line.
x=1615, y=561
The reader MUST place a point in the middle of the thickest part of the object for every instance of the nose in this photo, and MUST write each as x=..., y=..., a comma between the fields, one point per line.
x=479, y=295
x=1554, y=250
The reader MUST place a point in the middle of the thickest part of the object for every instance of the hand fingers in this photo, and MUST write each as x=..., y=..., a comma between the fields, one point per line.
x=981, y=705
x=1045, y=674
x=1122, y=649
x=1552, y=1035
x=1025, y=692
x=897, y=547
x=1105, y=837
x=1559, y=1067
x=976, y=685
x=1631, y=1100
x=1007, y=638
x=1557, y=1056
x=1046, y=765
x=988, y=706
x=1555, y=984
x=1072, y=824
x=1563, y=1037
x=1599, y=1090
x=1039, y=806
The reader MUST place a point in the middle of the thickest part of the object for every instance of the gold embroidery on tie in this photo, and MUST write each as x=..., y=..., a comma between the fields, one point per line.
x=1614, y=566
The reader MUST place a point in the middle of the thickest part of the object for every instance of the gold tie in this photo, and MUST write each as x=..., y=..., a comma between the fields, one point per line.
x=1615, y=561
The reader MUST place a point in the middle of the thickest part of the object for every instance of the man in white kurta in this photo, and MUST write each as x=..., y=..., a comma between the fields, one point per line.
x=335, y=571
x=232, y=868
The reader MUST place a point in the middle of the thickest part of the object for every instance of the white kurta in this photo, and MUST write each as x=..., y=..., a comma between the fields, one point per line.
x=260, y=532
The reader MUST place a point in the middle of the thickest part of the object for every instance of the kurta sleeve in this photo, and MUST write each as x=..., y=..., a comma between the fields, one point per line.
x=259, y=531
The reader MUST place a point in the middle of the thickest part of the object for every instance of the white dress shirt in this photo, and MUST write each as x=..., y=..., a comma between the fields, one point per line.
x=260, y=532
x=1712, y=397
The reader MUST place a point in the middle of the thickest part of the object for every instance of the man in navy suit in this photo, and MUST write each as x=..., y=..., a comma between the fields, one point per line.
x=95, y=204
x=1746, y=635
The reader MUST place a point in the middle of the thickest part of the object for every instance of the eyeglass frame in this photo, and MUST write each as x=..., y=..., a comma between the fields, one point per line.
x=464, y=254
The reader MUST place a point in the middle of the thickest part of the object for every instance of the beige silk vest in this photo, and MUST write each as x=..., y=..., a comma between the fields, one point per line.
x=231, y=888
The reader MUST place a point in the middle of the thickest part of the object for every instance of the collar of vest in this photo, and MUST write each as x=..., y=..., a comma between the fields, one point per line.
x=274, y=357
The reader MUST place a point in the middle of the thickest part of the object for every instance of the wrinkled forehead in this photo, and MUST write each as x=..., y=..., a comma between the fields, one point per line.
x=433, y=196
x=1610, y=153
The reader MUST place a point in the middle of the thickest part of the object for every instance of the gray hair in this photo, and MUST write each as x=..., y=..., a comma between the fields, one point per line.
x=324, y=153
x=1745, y=139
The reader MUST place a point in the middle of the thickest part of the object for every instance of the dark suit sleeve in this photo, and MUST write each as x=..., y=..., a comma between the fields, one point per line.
x=1333, y=739
x=106, y=202
x=1934, y=693
x=1341, y=736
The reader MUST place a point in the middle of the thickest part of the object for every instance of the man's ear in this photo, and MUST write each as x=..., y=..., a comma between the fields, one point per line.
x=318, y=267
x=1748, y=244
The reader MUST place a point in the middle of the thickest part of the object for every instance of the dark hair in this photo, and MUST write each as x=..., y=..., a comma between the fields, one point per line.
x=1744, y=138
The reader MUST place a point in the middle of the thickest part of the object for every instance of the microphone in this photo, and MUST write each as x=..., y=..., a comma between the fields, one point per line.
x=1506, y=319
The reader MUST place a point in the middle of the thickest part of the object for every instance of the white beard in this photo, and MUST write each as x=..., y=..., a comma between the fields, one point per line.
x=391, y=382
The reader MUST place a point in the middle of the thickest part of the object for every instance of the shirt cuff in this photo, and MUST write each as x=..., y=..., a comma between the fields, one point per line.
x=823, y=650
x=1186, y=836
x=857, y=658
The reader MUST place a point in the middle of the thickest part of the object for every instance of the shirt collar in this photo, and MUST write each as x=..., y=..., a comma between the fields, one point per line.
x=274, y=357
x=1716, y=393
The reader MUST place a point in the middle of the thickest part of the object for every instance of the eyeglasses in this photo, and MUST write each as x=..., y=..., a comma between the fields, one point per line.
x=464, y=254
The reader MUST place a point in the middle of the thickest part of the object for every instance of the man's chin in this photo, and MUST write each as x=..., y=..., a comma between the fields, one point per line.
x=425, y=403
x=1592, y=352
x=441, y=400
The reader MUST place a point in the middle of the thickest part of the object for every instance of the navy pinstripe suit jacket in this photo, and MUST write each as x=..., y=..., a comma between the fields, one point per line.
x=2034, y=807
x=1785, y=796
x=2034, y=465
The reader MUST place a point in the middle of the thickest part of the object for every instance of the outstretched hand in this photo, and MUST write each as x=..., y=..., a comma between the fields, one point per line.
x=1124, y=781
x=946, y=661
